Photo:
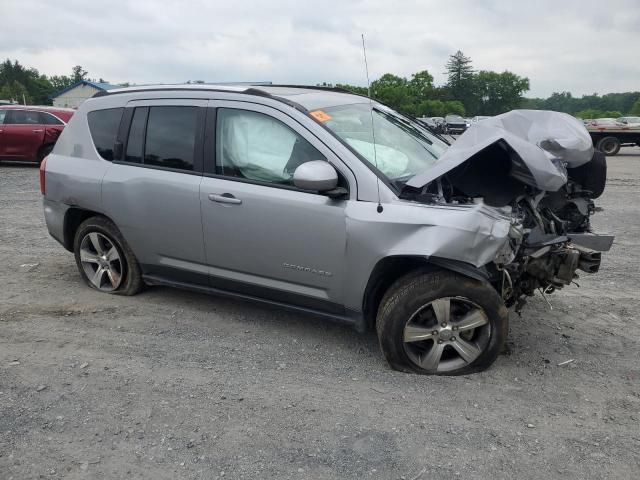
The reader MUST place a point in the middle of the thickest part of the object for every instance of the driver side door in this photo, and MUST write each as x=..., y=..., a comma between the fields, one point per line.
x=263, y=236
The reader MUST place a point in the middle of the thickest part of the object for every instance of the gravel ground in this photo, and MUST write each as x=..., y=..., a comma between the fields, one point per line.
x=170, y=384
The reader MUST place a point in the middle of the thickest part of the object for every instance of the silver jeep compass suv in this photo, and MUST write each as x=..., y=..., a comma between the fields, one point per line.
x=327, y=202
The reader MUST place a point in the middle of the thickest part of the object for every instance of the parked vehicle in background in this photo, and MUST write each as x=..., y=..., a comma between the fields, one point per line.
x=28, y=133
x=629, y=121
x=603, y=122
x=456, y=124
x=609, y=134
x=435, y=123
x=290, y=196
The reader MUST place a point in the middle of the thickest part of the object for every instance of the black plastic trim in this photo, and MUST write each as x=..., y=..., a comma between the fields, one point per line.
x=209, y=152
x=264, y=184
x=156, y=167
x=252, y=293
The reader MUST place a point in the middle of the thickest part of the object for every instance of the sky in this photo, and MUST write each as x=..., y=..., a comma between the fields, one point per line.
x=581, y=46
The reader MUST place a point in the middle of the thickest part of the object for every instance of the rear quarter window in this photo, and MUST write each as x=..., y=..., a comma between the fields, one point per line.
x=48, y=119
x=104, y=125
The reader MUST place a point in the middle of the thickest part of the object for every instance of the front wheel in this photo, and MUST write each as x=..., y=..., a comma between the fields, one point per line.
x=441, y=323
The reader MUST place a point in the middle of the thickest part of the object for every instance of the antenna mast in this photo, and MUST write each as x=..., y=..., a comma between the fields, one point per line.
x=373, y=132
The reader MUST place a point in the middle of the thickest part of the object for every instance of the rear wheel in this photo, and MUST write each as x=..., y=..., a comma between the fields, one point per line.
x=609, y=146
x=441, y=323
x=104, y=259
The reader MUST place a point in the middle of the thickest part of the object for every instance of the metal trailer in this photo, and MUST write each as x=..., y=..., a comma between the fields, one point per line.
x=609, y=140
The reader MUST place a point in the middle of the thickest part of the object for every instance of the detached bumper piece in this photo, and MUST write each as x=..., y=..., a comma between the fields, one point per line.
x=555, y=259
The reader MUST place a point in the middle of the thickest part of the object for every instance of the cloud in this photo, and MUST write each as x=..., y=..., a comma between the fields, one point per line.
x=578, y=45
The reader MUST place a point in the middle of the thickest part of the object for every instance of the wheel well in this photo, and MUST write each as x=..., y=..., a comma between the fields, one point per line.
x=42, y=147
x=389, y=269
x=72, y=220
x=386, y=271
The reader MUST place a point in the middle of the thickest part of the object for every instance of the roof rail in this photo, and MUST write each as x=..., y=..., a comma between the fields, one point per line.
x=311, y=87
x=248, y=90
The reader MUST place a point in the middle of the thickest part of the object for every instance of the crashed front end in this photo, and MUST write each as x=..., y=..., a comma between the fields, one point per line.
x=539, y=170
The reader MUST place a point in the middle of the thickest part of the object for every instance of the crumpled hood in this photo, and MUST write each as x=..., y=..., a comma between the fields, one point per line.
x=541, y=144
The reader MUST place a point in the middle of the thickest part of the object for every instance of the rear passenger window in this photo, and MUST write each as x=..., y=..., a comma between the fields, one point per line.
x=48, y=119
x=104, y=125
x=171, y=137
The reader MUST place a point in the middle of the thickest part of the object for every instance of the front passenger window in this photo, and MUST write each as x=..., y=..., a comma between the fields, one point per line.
x=23, y=117
x=255, y=146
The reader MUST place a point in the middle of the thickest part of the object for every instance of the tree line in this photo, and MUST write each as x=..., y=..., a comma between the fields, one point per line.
x=26, y=85
x=467, y=92
x=610, y=105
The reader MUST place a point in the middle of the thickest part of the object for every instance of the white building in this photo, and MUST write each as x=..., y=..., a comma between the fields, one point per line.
x=74, y=95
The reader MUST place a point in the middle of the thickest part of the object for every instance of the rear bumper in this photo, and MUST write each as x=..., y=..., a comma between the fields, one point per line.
x=54, y=215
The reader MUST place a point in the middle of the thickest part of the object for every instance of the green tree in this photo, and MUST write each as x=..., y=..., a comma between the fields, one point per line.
x=78, y=74
x=16, y=92
x=60, y=82
x=454, y=107
x=431, y=108
x=421, y=86
x=460, y=76
x=17, y=80
x=589, y=113
x=498, y=92
x=393, y=91
x=635, y=109
x=352, y=88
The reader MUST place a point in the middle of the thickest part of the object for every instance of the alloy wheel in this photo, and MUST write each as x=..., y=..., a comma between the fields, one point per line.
x=446, y=334
x=101, y=261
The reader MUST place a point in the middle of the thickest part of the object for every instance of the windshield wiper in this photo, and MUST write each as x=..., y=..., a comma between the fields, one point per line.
x=404, y=123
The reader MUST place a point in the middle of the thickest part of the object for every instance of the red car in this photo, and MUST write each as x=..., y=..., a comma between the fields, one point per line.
x=28, y=133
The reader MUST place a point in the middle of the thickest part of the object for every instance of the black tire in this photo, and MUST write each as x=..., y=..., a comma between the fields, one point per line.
x=129, y=270
x=43, y=152
x=416, y=294
x=591, y=176
x=610, y=146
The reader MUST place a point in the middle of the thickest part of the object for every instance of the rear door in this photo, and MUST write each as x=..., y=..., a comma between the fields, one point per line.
x=53, y=127
x=22, y=134
x=152, y=190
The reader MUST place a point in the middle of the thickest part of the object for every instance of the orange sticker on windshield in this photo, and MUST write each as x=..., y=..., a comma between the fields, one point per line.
x=320, y=115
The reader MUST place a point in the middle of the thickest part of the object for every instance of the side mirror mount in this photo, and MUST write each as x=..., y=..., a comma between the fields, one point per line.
x=317, y=175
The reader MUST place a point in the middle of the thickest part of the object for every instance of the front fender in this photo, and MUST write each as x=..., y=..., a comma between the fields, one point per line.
x=462, y=237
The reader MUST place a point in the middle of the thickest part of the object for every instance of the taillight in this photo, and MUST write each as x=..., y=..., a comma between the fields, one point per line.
x=43, y=174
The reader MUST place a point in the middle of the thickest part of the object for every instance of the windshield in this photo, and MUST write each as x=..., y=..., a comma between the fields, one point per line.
x=403, y=148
